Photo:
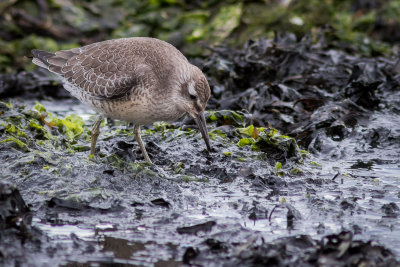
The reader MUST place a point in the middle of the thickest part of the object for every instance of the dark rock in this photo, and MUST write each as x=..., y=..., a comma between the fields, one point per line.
x=194, y=229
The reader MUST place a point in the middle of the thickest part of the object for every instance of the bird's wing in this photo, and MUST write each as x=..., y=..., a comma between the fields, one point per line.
x=103, y=70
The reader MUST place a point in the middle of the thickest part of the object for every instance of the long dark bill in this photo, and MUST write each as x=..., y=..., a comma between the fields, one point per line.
x=201, y=123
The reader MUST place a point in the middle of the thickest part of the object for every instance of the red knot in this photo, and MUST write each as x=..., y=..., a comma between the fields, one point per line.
x=140, y=80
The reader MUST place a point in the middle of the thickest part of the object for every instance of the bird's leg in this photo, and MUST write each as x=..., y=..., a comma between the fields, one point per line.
x=95, y=134
x=136, y=132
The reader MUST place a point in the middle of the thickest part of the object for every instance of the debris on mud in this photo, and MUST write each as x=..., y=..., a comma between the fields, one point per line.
x=18, y=238
x=333, y=250
x=304, y=166
x=300, y=89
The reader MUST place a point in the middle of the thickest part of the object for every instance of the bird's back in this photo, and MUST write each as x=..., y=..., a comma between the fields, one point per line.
x=110, y=68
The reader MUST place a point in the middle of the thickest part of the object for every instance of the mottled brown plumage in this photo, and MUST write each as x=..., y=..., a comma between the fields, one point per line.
x=140, y=80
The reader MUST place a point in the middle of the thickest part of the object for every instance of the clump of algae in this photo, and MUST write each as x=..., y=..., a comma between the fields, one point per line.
x=29, y=128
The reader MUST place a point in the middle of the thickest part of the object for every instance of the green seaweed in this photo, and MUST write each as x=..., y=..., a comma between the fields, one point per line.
x=33, y=124
x=19, y=144
x=187, y=24
x=39, y=107
x=71, y=126
x=40, y=129
x=278, y=166
x=226, y=117
x=51, y=139
x=261, y=138
x=245, y=142
x=12, y=129
x=189, y=179
x=222, y=25
x=296, y=170
x=214, y=133
x=249, y=130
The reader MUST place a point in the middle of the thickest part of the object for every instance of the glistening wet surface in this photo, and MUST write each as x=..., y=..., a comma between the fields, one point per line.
x=258, y=198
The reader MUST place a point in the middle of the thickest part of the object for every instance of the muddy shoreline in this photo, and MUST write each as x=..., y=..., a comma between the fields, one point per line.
x=305, y=168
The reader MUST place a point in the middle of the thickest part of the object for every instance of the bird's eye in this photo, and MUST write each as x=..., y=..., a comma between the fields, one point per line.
x=192, y=97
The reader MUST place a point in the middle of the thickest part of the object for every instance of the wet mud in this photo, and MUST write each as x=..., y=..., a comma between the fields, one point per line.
x=304, y=168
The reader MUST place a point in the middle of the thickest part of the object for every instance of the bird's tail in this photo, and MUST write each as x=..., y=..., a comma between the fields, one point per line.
x=40, y=58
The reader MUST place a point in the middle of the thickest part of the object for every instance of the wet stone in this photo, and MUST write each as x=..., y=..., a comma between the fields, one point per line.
x=12, y=206
x=18, y=237
x=194, y=229
x=391, y=210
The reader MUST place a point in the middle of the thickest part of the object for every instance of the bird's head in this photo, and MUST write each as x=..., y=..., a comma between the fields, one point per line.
x=195, y=93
